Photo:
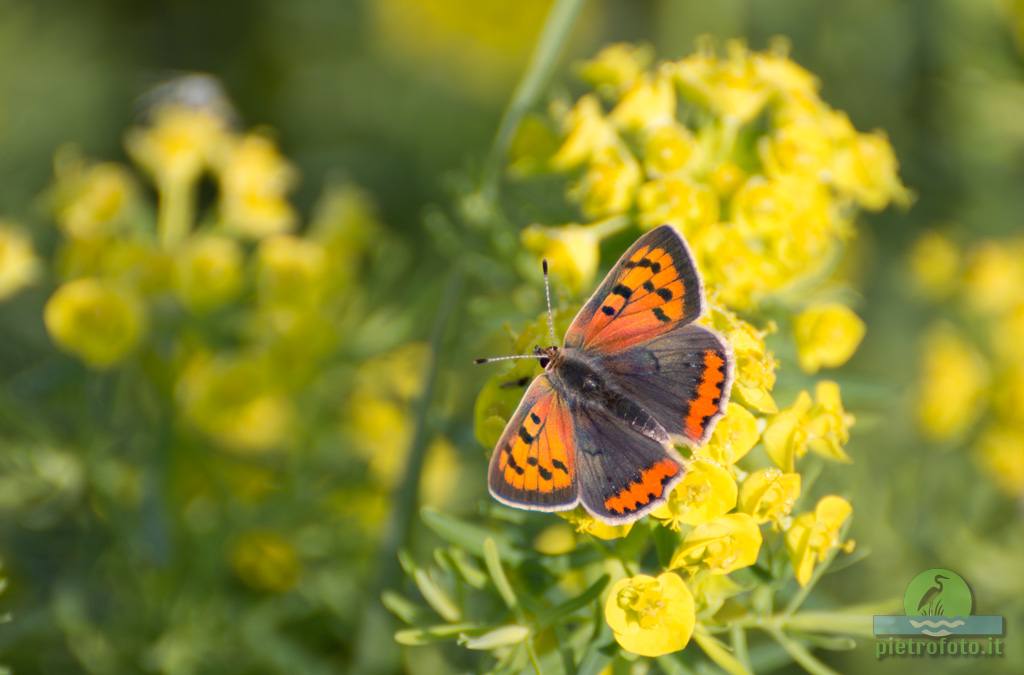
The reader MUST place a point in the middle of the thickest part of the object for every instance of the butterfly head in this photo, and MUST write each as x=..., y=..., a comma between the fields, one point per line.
x=548, y=356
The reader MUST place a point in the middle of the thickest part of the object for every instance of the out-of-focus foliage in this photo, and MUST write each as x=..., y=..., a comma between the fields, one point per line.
x=238, y=330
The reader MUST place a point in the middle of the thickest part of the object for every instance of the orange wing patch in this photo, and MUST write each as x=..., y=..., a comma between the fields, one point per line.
x=707, y=401
x=539, y=456
x=647, y=300
x=648, y=488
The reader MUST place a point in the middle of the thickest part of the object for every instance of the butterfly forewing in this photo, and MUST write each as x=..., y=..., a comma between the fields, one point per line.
x=534, y=463
x=653, y=288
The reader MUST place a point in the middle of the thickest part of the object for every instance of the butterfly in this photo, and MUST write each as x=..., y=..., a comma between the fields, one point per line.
x=635, y=375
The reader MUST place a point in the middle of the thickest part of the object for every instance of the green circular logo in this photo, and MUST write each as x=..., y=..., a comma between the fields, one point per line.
x=938, y=592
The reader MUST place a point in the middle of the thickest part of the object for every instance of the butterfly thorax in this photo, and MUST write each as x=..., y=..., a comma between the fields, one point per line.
x=579, y=380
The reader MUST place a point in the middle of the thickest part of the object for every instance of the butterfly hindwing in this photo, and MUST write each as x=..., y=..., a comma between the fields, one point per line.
x=682, y=378
x=653, y=288
x=534, y=463
x=623, y=474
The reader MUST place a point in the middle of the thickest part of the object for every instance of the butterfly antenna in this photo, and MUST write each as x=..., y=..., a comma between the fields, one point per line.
x=547, y=297
x=492, y=359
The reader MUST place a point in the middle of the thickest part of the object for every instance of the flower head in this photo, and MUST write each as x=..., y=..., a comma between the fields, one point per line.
x=254, y=182
x=650, y=616
x=180, y=142
x=91, y=200
x=827, y=336
x=720, y=546
x=935, y=265
x=706, y=492
x=769, y=494
x=208, y=272
x=571, y=251
x=98, y=321
x=616, y=67
x=812, y=536
x=19, y=265
x=754, y=369
x=734, y=436
x=953, y=382
x=821, y=425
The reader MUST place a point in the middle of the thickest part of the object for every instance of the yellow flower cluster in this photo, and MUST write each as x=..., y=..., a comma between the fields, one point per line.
x=737, y=151
x=19, y=265
x=142, y=281
x=964, y=378
x=740, y=154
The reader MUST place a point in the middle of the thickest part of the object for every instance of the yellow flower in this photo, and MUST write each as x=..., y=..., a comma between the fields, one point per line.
x=586, y=524
x=822, y=426
x=706, y=492
x=935, y=265
x=812, y=536
x=720, y=546
x=999, y=451
x=254, y=182
x=616, y=67
x=179, y=143
x=754, y=372
x=265, y=561
x=208, y=272
x=799, y=146
x=650, y=616
x=730, y=87
x=768, y=494
x=867, y=170
x=291, y=272
x=19, y=265
x=677, y=201
x=439, y=479
x=712, y=590
x=609, y=185
x=734, y=436
x=668, y=148
x=233, y=399
x=91, y=200
x=994, y=277
x=572, y=252
x=650, y=102
x=587, y=134
x=97, y=321
x=555, y=539
x=826, y=336
x=1008, y=334
x=952, y=385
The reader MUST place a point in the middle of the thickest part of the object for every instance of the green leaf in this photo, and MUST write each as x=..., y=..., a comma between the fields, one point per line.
x=402, y=607
x=414, y=637
x=467, y=568
x=801, y=655
x=497, y=572
x=571, y=605
x=499, y=637
x=470, y=537
x=435, y=596
x=718, y=652
x=843, y=623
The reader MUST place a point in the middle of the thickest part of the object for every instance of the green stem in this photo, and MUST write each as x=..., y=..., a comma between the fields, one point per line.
x=175, y=213
x=801, y=655
x=542, y=63
x=802, y=594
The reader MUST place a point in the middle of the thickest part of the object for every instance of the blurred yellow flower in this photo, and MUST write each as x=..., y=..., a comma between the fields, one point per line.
x=232, y=398
x=254, y=182
x=729, y=87
x=668, y=148
x=609, y=185
x=650, y=102
x=812, y=536
x=439, y=479
x=265, y=561
x=710, y=591
x=734, y=436
x=821, y=425
x=291, y=272
x=19, y=265
x=754, y=370
x=557, y=539
x=650, y=616
x=769, y=494
x=952, y=386
x=706, y=492
x=616, y=67
x=994, y=276
x=587, y=133
x=98, y=321
x=571, y=250
x=867, y=170
x=586, y=524
x=208, y=272
x=935, y=265
x=178, y=144
x=91, y=200
x=1000, y=449
x=826, y=336
x=680, y=202
x=720, y=546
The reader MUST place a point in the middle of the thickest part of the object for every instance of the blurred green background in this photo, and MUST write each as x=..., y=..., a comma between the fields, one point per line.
x=278, y=566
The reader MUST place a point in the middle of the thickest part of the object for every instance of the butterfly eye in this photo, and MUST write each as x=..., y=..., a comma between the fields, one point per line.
x=544, y=361
x=589, y=384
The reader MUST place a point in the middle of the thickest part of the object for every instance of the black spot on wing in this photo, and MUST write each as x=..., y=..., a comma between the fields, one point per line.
x=661, y=315
x=608, y=310
x=525, y=435
x=622, y=290
x=557, y=463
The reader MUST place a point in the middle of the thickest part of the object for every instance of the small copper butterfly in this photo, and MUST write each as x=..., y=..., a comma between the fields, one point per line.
x=634, y=376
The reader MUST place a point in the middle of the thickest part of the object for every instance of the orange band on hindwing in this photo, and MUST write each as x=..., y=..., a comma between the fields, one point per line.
x=708, y=398
x=649, y=487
